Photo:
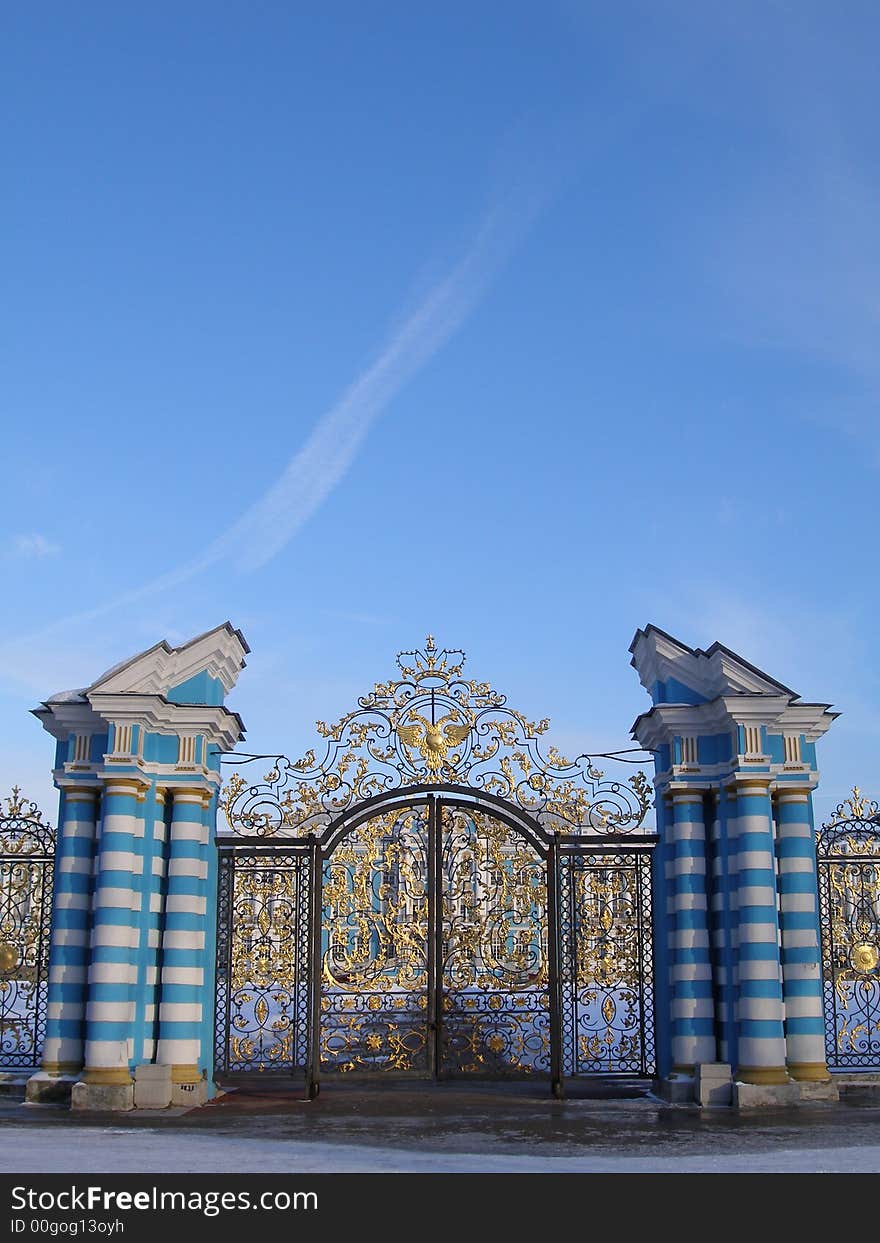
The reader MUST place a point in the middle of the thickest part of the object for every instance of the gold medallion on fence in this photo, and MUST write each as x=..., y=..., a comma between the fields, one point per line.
x=865, y=957
x=8, y=958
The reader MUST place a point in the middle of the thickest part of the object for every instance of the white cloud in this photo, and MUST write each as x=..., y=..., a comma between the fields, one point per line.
x=34, y=546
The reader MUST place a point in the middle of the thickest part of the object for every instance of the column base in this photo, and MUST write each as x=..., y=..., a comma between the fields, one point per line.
x=62, y=1068
x=103, y=1087
x=810, y=1072
x=47, y=1086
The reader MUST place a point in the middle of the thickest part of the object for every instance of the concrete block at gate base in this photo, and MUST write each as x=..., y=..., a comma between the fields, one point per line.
x=13, y=1084
x=713, y=1084
x=43, y=1088
x=677, y=1089
x=102, y=1096
x=188, y=1095
x=152, y=1086
x=819, y=1091
x=765, y=1095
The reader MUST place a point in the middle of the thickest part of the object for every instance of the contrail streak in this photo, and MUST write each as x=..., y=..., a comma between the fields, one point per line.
x=313, y=472
x=325, y=458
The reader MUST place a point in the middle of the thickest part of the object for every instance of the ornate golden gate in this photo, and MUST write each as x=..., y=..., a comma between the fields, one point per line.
x=435, y=945
x=435, y=898
x=848, y=860
x=27, y=864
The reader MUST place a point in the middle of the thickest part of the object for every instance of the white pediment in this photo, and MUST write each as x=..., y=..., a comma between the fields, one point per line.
x=657, y=657
x=219, y=653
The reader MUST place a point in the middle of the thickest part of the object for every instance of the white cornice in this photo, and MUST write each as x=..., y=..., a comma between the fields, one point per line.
x=811, y=720
x=664, y=721
x=164, y=774
x=157, y=716
x=710, y=776
x=68, y=717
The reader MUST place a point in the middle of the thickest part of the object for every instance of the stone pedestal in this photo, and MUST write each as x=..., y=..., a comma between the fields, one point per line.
x=819, y=1091
x=712, y=1084
x=677, y=1089
x=43, y=1088
x=188, y=1095
x=100, y=1097
x=13, y=1084
x=766, y=1095
x=152, y=1087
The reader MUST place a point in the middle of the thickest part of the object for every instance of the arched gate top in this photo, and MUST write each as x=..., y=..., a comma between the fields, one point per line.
x=853, y=830
x=452, y=796
x=430, y=727
x=23, y=831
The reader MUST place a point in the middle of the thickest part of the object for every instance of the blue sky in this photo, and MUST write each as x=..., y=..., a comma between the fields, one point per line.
x=523, y=324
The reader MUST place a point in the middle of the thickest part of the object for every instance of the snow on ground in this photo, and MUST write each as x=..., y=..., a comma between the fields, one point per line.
x=89, y=1150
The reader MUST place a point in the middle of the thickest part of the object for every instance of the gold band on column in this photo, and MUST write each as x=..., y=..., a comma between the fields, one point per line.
x=107, y=1074
x=186, y=1074
x=762, y=1074
x=742, y=782
x=809, y=1072
x=137, y=784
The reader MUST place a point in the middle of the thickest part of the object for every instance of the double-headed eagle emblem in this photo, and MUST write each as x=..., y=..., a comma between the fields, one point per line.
x=433, y=740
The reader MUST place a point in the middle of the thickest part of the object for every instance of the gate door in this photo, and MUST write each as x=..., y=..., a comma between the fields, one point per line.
x=374, y=952
x=27, y=865
x=848, y=859
x=263, y=953
x=606, y=960
x=435, y=947
x=494, y=976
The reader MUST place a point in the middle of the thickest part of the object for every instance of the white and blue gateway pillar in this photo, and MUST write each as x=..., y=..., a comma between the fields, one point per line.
x=736, y=909
x=131, y=969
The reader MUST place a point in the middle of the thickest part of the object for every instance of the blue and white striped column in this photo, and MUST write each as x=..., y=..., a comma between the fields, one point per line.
x=801, y=952
x=759, y=1010
x=184, y=941
x=69, y=952
x=113, y=969
x=693, y=1011
x=724, y=904
x=151, y=928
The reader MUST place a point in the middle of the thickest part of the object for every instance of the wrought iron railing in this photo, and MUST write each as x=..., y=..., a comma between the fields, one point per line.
x=27, y=864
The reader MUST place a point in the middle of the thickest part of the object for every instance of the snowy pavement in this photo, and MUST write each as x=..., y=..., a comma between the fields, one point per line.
x=88, y=1150
x=268, y=1128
